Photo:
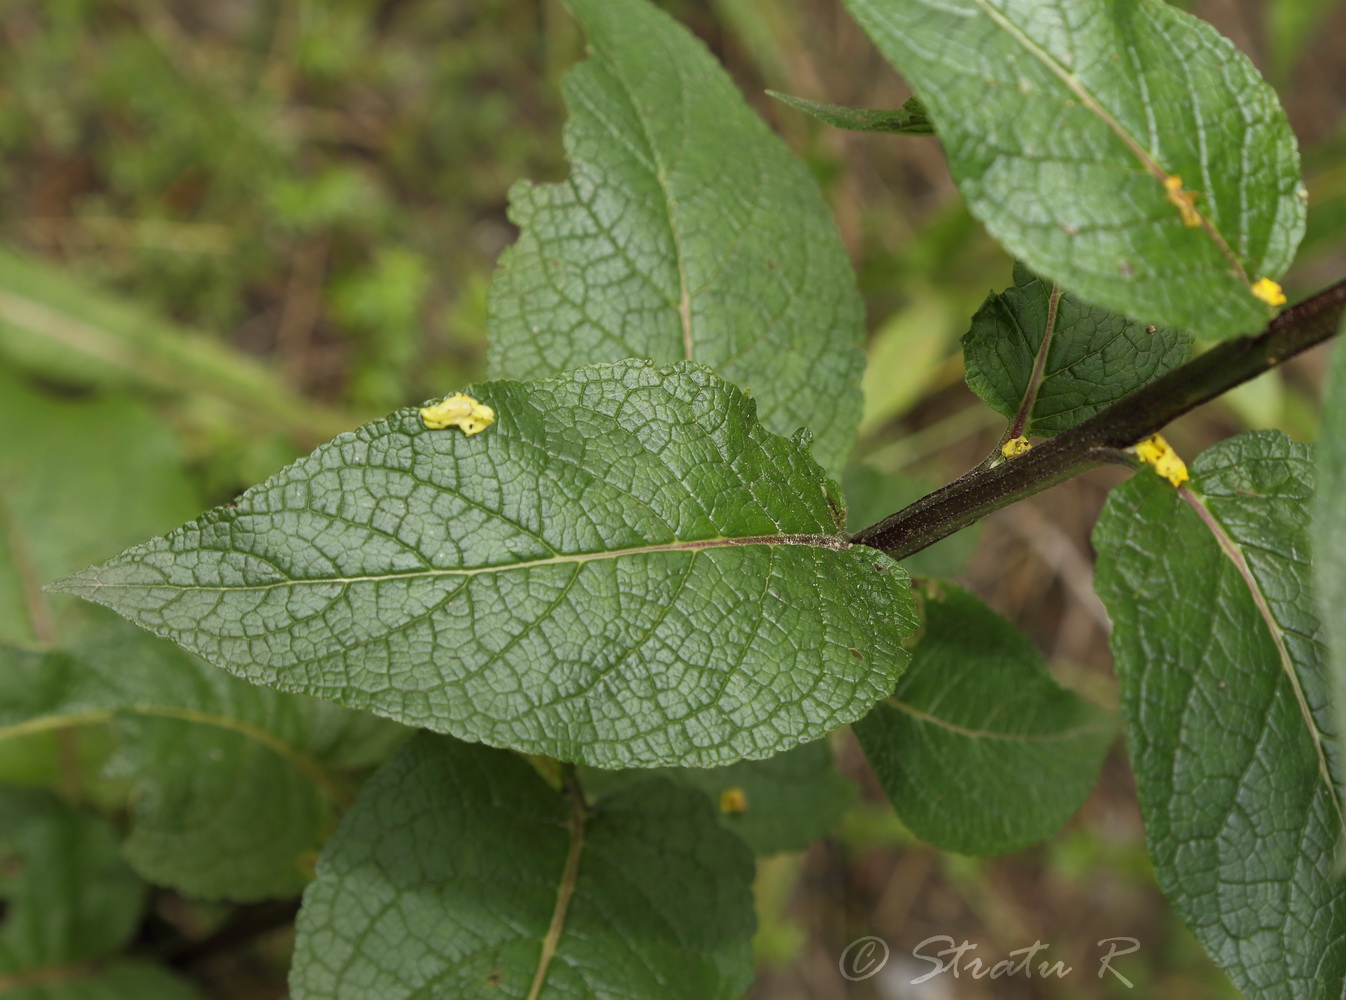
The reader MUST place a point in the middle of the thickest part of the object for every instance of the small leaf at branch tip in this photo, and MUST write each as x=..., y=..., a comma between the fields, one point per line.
x=1157, y=452
x=733, y=800
x=1184, y=200
x=1269, y=292
x=1015, y=447
x=458, y=410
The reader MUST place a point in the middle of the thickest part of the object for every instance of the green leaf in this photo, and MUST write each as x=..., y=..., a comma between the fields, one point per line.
x=978, y=748
x=1221, y=664
x=68, y=904
x=68, y=895
x=80, y=479
x=119, y=979
x=686, y=231
x=625, y=569
x=910, y=119
x=784, y=803
x=232, y=787
x=1329, y=532
x=1062, y=121
x=477, y=879
x=1093, y=357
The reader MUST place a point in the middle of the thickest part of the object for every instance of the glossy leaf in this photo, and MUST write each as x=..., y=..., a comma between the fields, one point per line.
x=1329, y=532
x=783, y=803
x=625, y=569
x=1063, y=121
x=231, y=786
x=686, y=231
x=910, y=119
x=460, y=872
x=1224, y=692
x=1094, y=357
x=978, y=748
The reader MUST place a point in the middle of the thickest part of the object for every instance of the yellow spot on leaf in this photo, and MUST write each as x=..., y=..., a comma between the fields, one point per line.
x=459, y=411
x=1159, y=453
x=1015, y=447
x=732, y=800
x=1184, y=200
x=1269, y=292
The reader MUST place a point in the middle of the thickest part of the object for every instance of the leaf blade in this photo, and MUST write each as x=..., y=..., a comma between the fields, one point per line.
x=232, y=785
x=459, y=584
x=1063, y=123
x=463, y=854
x=1094, y=357
x=1229, y=746
x=978, y=748
x=1329, y=530
x=659, y=246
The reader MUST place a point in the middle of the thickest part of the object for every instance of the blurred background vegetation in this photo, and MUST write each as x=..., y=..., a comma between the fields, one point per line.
x=229, y=230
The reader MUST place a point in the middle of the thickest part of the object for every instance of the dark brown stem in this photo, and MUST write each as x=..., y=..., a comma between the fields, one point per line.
x=1103, y=437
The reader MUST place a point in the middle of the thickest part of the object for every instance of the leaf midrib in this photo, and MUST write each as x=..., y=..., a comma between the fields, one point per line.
x=308, y=765
x=1233, y=551
x=80, y=584
x=1095, y=107
x=993, y=735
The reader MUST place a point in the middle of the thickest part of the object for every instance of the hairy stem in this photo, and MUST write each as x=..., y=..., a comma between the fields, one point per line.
x=1103, y=437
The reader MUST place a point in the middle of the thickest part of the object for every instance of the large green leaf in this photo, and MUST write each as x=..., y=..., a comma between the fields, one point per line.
x=783, y=803
x=1062, y=120
x=626, y=569
x=1224, y=692
x=686, y=231
x=80, y=479
x=978, y=748
x=1093, y=356
x=459, y=872
x=68, y=905
x=231, y=786
x=1329, y=531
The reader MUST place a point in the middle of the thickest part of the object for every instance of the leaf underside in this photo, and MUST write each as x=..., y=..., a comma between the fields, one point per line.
x=1224, y=693
x=910, y=119
x=1062, y=120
